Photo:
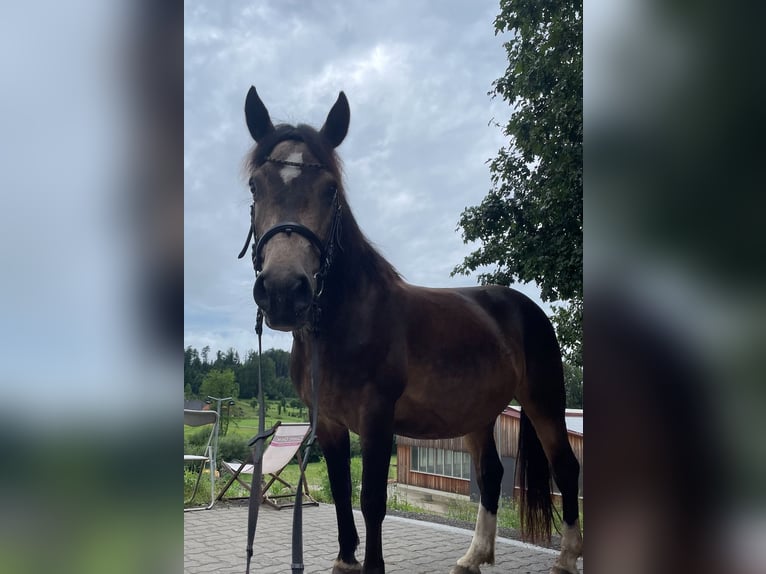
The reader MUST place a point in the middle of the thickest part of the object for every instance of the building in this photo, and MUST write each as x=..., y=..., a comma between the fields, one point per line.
x=445, y=464
x=195, y=405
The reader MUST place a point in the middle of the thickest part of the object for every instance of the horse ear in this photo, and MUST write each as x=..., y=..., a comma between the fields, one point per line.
x=257, y=116
x=335, y=127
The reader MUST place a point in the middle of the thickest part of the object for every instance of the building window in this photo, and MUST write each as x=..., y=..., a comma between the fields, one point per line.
x=466, y=465
x=441, y=462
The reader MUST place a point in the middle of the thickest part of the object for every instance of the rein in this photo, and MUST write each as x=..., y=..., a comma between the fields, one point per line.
x=326, y=255
x=257, y=444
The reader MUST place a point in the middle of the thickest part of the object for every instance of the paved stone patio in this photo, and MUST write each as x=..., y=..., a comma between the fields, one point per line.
x=215, y=541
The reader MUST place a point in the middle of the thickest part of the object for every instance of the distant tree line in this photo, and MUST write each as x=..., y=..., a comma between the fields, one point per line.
x=226, y=374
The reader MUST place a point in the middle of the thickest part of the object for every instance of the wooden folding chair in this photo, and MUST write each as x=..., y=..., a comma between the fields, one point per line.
x=284, y=446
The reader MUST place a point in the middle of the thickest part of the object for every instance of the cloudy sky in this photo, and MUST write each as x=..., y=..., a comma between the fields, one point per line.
x=416, y=75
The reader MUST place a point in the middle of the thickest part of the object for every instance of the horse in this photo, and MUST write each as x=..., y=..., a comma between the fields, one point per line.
x=394, y=358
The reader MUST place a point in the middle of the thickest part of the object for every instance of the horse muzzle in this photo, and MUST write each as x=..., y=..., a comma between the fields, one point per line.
x=285, y=300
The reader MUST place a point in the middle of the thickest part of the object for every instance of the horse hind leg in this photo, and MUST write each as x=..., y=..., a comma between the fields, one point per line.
x=489, y=471
x=543, y=435
x=552, y=434
x=566, y=471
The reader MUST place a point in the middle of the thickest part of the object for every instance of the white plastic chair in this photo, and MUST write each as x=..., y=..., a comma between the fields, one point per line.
x=207, y=458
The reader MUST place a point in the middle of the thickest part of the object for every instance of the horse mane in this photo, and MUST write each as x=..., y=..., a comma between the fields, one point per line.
x=354, y=247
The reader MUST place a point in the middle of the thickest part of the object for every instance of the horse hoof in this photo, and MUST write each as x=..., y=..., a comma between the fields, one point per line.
x=374, y=570
x=344, y=568
x=559, y=570
x=458, y=569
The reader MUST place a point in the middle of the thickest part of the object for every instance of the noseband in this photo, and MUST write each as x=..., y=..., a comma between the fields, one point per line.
x=326, y=249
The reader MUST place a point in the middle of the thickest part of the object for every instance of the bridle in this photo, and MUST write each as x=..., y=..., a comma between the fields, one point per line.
x=325, y=248
x=326, y=251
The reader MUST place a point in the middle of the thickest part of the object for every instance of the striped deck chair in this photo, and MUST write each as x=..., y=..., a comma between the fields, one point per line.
x=284, y=446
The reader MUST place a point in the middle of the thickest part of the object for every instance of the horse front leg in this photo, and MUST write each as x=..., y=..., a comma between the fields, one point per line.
x=334, y=440
x=489, y=474
x=376, y=438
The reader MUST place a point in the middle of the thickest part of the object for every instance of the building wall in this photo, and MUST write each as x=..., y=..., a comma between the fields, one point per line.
x=506, y=438
x=405, y=474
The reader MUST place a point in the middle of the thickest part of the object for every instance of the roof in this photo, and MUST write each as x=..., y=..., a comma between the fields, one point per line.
x=574, y=418
x=195, y=404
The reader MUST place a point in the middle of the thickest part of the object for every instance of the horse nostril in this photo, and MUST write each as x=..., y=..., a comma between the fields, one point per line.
x=301, y=294
x=301, y=286
x=284, y=297
x=259, y=292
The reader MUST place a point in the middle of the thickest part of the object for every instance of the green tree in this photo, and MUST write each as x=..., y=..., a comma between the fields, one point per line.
x=193, y=371
x=219, y=383
x=275, y=367
x=573, y=385
x=530, y=223
x=228, y=360
x=247, y=376
x=281, y=361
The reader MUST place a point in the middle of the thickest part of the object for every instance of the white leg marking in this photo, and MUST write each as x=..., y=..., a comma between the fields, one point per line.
x=290, y=172
x=482, y=549
x=571, y=548
x=347, y=567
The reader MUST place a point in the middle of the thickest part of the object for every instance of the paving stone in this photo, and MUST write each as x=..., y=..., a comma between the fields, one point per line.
x=215, y=541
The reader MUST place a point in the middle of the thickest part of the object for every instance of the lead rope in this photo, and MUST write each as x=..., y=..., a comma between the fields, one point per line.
x=257, y=444
x=297, y=564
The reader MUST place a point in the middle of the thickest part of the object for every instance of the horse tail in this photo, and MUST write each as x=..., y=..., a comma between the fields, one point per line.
x=533, y=477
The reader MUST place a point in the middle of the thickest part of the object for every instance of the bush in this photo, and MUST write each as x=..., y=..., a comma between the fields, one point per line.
x=356, y=447
x=198, y=437
x=203, y=492
x=316, y=452
x=231, y=448
x=191, y=446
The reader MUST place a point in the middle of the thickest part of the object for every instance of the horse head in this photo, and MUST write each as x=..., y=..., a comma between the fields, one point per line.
x=295, y=182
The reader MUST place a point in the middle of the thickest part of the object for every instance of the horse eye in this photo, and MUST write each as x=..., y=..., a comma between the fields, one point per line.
x=253, y=187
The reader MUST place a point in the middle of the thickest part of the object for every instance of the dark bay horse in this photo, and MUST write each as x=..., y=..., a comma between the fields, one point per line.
x=396, y=358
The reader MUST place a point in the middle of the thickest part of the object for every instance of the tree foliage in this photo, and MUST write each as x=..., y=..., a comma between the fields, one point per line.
x=275, y=373
x=219, y=383
x=529, y=225
x=193, y=370
x=573, y=384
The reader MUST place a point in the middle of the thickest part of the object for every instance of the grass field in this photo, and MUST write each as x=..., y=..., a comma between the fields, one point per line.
x=316, y=476
x=247, y=425
x=243, y=428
